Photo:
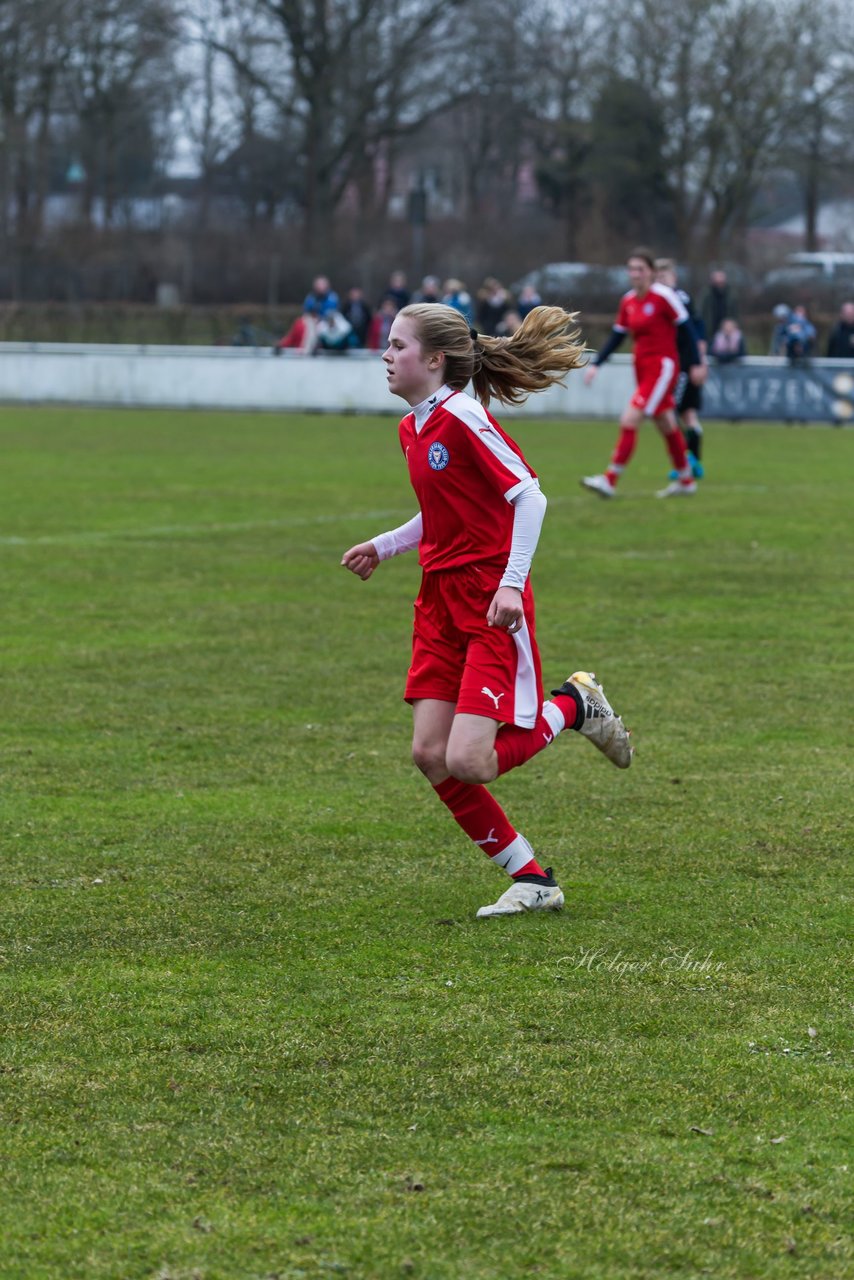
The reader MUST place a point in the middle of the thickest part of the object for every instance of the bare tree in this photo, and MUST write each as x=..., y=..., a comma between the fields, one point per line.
x=228, y=122
x=484, y=134
x=722, y=71
x=350, y=74
x=818, y=146
x=204, y=128
x=320, y=110
x=34, y=47
x=569, y=57
x=119, y=75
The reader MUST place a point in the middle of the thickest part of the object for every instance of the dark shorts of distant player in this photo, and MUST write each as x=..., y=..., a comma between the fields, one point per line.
x=688, y=396
x=457, y=657
x=656, y=378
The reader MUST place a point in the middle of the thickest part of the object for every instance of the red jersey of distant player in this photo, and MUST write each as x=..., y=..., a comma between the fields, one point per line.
x=465, y=472
x=652, y=321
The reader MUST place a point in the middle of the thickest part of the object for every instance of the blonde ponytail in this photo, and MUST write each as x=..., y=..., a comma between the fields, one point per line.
x=539, y=354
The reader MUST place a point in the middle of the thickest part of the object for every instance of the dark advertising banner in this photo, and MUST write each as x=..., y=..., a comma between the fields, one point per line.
x=811, y=392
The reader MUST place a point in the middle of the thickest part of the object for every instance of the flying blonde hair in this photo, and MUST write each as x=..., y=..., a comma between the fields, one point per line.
x=539, y=354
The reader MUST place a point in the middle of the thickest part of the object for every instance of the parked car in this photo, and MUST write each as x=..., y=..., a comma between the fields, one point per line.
x=573, y=284
x=804, y=277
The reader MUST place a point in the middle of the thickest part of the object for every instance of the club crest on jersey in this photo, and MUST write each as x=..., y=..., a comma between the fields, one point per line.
x=438, y=456
x=648, y=309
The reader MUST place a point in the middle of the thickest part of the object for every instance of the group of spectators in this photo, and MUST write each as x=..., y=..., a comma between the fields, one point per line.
x=328, y=324
x=794, y=335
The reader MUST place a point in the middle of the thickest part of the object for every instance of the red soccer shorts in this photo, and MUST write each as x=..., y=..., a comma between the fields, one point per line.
x=457, y=658
x=657, y=377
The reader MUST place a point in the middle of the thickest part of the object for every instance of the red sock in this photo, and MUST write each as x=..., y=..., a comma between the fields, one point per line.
x=514, y=746
x=485, y=822
x=572, y=712
x=623, y=450
x=478, y=813
x=675, y=442
x=531, y=868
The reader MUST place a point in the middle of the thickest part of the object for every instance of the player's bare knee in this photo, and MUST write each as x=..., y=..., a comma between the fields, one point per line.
x=429, y=757
x=469, y=764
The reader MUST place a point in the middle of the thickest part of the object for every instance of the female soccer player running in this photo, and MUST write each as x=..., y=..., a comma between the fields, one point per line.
x=659, y=323
x=474, y=682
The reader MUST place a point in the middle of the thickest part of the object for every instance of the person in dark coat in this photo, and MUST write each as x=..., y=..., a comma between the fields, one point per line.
x=718, y=304
x=357, y=311
x=840, y=342
x=493, y=303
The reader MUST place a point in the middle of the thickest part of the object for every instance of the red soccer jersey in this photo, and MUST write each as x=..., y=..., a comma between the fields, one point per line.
x=465, y=471
x=652, y=321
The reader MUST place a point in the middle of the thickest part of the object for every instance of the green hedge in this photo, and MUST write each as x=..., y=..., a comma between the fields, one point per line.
x=113, y=322
x=215, y=326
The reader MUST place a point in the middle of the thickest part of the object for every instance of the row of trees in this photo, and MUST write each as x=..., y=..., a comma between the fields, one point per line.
x=670, y=119
x=84, y=89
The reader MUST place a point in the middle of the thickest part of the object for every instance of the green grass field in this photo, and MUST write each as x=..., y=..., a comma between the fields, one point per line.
x=250, y=1027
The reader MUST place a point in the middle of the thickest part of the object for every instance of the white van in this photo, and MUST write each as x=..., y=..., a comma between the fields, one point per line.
x=813, y=268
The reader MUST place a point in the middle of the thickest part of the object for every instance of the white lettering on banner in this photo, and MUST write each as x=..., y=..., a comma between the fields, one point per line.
x=803, y=392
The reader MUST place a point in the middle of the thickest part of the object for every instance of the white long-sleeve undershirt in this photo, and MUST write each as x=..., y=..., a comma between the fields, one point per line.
x=405, y=537
x=529, y=509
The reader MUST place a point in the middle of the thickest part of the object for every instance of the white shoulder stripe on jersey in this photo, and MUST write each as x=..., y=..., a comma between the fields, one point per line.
x=671, y=296
x=473, y=415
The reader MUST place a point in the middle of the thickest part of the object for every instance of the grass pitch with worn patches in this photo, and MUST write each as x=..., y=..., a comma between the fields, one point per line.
x=250, y=1025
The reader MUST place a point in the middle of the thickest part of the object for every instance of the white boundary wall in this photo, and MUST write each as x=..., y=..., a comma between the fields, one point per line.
x=238, y=378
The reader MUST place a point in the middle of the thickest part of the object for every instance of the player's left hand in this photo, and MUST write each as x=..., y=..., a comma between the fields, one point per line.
x=506, y=610
x=698, y=374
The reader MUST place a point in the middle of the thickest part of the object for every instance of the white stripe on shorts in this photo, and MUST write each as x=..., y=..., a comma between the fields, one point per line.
x=526, y=700
x=660, y=389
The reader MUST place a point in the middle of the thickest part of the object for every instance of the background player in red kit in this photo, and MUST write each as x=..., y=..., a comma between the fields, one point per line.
x=659, y=323
x=474, y=682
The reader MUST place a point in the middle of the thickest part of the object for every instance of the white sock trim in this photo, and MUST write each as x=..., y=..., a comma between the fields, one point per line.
x=514, y=857
x=554, y=717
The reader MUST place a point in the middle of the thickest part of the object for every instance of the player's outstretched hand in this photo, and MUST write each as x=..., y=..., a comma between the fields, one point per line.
x=590, y=373
x=698, y=374
x=361, y=560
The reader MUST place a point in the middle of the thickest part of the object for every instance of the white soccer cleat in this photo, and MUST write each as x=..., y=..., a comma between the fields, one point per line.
x=676, y=489
x=527, y=895
x=601, y=725
x=599, y=484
